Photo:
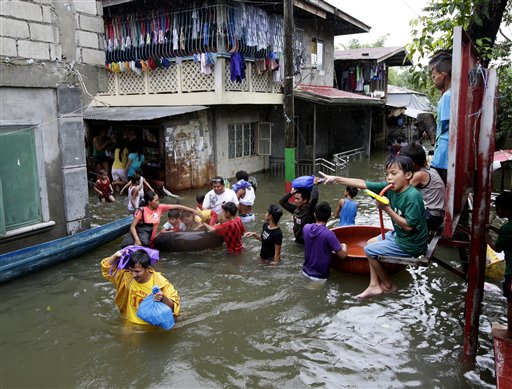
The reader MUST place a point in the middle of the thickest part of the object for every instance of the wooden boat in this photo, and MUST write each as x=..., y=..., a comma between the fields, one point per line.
x=187, y=241
x=494, y=264
x=30, y=259
x=355, y=237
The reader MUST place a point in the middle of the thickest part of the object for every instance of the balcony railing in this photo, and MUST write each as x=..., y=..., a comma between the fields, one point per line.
x=187, y=78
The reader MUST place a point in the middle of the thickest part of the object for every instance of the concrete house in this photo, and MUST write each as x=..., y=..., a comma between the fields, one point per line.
x=47, y=49
x=200, y=86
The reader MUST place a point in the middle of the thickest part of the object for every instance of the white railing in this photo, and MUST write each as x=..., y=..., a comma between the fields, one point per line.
x=325, y=166
x=187, y=78
x=340, y=160
x=338, y=163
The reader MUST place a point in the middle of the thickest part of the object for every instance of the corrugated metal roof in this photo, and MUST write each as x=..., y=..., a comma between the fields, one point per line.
x=330, y=95
x=393, y=56
x=117, y=114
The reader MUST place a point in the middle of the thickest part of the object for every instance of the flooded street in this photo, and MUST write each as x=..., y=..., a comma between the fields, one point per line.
x=243, y=324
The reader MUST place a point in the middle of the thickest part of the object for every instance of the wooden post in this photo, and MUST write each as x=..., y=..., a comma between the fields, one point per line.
x=289, y=136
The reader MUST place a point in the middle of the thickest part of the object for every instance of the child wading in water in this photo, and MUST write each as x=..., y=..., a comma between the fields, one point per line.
x=134, y=194
x=347, y=208
x=407, y=212
x=232, y=229
x=504, y=243
x=271, y=237
x=319, y=245
x=104, y=188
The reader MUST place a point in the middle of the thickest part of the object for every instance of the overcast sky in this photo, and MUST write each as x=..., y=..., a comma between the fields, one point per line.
x=384, y=17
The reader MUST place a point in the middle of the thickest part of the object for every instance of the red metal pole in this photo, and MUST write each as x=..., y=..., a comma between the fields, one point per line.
x=482, y=193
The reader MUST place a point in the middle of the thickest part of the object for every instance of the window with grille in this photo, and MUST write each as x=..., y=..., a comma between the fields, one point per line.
x=241, y=140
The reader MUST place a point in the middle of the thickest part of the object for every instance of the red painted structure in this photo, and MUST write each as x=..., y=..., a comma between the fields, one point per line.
x=502, y=357
x=471, y=150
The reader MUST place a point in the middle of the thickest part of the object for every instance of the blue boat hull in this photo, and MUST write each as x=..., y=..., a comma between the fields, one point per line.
x=30, y=259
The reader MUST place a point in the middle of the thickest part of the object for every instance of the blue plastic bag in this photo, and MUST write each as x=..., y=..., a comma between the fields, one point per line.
x=304, y=182
x=156, y=312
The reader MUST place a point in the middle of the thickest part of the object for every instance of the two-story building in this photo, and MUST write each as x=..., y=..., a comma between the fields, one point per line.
x=201, y=86
x=365, y=71
x=47, y=49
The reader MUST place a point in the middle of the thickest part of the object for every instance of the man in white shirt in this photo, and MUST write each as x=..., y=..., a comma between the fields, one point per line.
x=218, y=196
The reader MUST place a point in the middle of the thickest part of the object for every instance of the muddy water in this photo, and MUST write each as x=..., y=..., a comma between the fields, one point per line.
x=244, y=325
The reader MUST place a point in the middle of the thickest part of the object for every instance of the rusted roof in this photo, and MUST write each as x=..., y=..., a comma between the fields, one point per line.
x=392, y=56
x=331, y=95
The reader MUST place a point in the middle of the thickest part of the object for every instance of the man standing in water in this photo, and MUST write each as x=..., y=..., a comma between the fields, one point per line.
x=136, y=282
x=303, y=209
x=219, y=195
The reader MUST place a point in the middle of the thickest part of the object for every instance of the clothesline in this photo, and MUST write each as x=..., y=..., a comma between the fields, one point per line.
x=220, y=29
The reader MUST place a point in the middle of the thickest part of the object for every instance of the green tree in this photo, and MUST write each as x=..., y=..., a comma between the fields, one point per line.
x=481, y=19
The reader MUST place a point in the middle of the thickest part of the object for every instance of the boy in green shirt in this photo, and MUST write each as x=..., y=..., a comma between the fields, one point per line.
x=504, y=243
x=407, y=212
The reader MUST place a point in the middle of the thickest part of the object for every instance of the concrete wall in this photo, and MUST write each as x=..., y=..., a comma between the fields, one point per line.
x=317, y=30
x=189, y=155
x=43, y=111
x=223, y=117
x=41, y=40
x=43, y=46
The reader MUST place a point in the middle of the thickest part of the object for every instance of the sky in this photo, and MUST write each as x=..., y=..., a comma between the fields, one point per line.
x=384, y=17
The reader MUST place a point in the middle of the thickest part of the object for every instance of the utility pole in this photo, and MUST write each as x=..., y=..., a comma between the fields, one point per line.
x=288, y=108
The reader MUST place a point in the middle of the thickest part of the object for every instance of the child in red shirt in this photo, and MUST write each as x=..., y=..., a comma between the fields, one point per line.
x=232, y=229
x=103, y=187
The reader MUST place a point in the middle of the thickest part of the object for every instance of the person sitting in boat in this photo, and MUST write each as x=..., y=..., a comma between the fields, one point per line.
x=189, y=222
x=346, y=209
x=246, y=196
x=319, y=244
x=271, y=237
x=146, y=221
x=407, y=212
x=135, y=283
x=104, y=188
x=174, y=222
x=303, y=208
x=208, y=216
x=429, y=183
x=503, y=205
x=232, y=229
x=218, y=196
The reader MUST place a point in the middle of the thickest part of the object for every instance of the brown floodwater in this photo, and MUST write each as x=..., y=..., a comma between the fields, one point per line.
x=243, y=324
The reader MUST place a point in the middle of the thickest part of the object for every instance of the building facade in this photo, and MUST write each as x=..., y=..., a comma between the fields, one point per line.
x=189, y=56
x=47, y=49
